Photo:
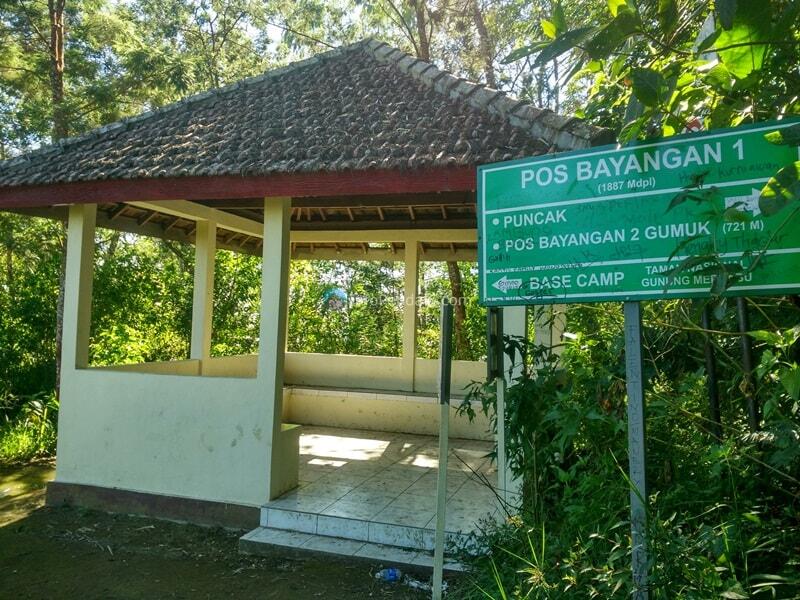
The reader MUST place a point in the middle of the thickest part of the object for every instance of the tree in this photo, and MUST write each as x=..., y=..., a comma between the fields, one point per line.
x=724, y=64
x=55, y=9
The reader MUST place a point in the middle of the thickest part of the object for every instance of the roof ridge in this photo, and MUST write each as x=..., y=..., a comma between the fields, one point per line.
x=567, y=133
x=124, y=123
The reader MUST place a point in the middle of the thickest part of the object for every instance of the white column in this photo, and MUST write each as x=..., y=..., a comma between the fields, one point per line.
x=203, y=298
x=514, y=324
x=410, y=293
x=272, y=343
x=78, y=287
x=549, y=324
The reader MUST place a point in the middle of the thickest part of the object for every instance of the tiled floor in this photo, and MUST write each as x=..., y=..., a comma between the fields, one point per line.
x=389, y=478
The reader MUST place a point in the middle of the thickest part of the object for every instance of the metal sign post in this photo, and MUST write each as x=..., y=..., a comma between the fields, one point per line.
x=711, y=374
x=636, y=446
x=445, y=356
x=747, y=362
x=494, y=366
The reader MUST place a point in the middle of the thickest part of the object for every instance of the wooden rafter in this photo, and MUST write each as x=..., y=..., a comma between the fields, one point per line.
x=113, y=214
x=172, y=224
x=148, y=215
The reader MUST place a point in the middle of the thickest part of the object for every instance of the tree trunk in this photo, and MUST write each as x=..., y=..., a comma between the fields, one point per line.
x=7, y=244
x=113, y=243
x=60, y=130
x=422, y=29
x=10, y=271
x=56, y=12
x=459, y=312
x=556, y=90
x=484, y=45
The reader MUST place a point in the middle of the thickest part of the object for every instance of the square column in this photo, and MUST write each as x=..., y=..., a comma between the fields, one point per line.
x=514, y=324
x=272, y=343
x=78, y=288
x=203, y=297
x=549, y=326
x=410, y=294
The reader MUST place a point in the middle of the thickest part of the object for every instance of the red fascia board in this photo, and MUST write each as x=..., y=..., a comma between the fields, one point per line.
x=296, y=185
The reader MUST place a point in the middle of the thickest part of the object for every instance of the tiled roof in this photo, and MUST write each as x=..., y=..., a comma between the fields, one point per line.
x=364, y=106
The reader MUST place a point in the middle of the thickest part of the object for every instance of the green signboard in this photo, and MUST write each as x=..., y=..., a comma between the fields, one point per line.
x=621, y=224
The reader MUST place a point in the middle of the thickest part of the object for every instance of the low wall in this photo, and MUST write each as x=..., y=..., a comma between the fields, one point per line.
x=209, y=438
x=377, y=411
x=344, y=370
x=375, y=372
x=245, y=365
x=162, y=428
x=195, y=437
x=169, y=367
x=326, y=370
x=464, y=372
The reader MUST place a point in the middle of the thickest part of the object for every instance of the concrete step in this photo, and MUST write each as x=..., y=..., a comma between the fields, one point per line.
x=363, y=531
x=262, y=540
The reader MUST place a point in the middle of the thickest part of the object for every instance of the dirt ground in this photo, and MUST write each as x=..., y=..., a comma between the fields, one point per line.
x=75, y=553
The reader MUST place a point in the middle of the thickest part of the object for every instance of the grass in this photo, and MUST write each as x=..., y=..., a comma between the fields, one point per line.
x=27, y=427
x=20, y=442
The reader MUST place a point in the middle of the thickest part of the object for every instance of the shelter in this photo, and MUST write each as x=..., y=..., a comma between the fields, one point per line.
x=361, y=152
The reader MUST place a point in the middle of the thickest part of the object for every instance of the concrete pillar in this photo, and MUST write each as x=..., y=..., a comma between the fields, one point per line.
x=514, y=324
x=203, y=297
x=410, y=293
x=272, y=342
x=549, y=324
x=78, y=287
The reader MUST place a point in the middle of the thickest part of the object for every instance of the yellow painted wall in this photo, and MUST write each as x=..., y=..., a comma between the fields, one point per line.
x=171, y=367
x=345, y=371
x=375, y=372
x=196, y=437
x=377, y=411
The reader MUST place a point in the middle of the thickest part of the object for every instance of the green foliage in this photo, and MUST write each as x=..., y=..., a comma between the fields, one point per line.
x=29, y=266
x=660, y=67
x=469, y=340
x=723, y=520
x=142, y=300
x=369, y=322
x=671, y=56
x=27, y=427
x=237, y=304
x=781, y=190
x=722, y=514
x=789, y=136
x=649, y=86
